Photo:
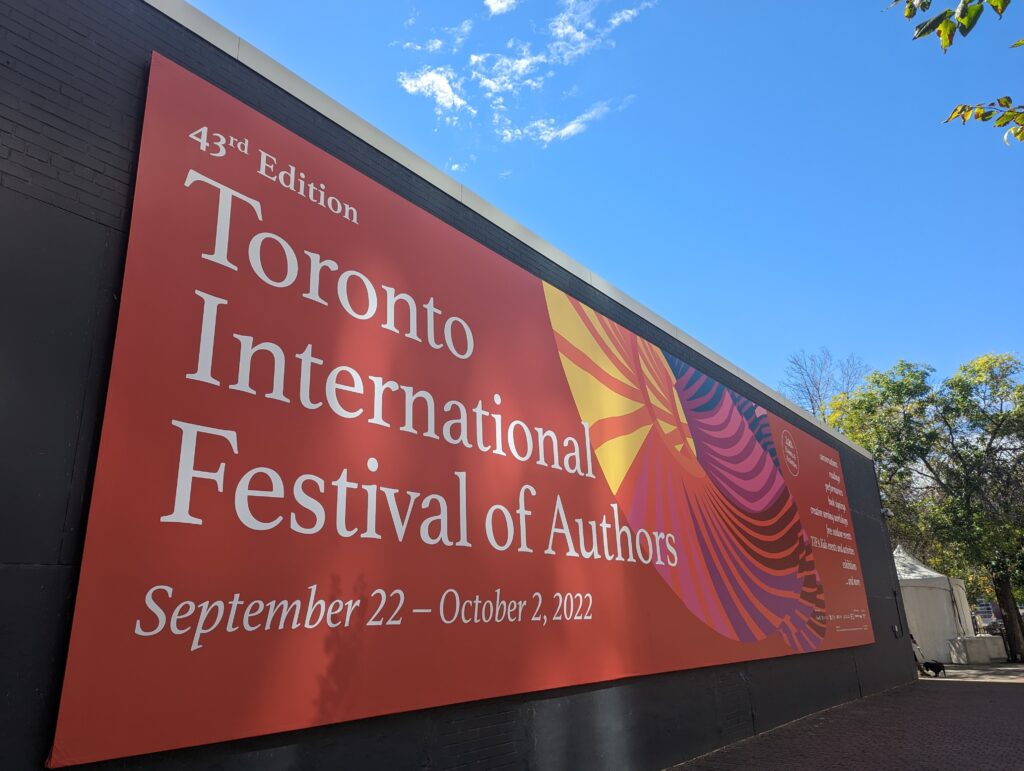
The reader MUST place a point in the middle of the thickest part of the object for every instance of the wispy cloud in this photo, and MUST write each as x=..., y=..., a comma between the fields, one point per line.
x=572, y=34
x=498, y=7
x=439, y=84
x=547, y=130
x=456, y=35
x=576, y=32
x=459, y=33
x=457, y=167
x=627, y=15
x=499, y=73
x=573, y=31
x=432, y=46
x=578, y=28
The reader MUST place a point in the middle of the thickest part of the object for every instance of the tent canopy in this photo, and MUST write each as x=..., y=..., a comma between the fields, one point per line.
x=913, y=571
x=936, y=605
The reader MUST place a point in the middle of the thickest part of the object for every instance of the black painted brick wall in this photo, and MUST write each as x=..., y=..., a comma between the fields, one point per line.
x=72, y=91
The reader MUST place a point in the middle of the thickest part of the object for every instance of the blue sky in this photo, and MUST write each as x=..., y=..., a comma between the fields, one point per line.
x=766, y=176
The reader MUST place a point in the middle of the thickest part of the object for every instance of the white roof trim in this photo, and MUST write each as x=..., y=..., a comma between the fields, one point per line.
x=208, y=29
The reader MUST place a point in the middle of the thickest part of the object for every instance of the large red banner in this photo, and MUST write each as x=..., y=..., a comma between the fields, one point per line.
x=355, y=463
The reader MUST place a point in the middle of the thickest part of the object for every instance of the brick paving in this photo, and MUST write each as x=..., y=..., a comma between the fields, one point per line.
x=973, y=718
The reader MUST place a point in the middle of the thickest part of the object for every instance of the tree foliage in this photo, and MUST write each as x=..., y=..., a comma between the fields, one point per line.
x=963, y=18
x=950, y=459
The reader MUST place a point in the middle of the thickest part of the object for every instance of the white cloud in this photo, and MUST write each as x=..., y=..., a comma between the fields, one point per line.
x=456, y=34
x=439, y=84
x=622, y=17
x=627, y=15
x=575, y=31
x=459, y=33
x=431, y=46
x=547, y=130
x=459, y=166
x=498, y=73
x=503, y=127
x=498, y=7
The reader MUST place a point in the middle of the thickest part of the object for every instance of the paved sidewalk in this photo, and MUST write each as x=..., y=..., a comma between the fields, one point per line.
x=972, y=718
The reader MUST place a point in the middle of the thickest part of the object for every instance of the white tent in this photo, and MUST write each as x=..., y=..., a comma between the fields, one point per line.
x=936, y=606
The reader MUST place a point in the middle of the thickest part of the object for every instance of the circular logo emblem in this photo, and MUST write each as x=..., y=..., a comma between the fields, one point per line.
x=789, y=453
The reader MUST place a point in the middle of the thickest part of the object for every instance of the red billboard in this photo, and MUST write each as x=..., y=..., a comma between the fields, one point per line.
x=355, y=463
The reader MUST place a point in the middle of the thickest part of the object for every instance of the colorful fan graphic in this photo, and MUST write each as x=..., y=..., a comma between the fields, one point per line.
x=685, y=455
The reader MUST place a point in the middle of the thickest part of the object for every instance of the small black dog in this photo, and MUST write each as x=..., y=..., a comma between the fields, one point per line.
x=935, y=667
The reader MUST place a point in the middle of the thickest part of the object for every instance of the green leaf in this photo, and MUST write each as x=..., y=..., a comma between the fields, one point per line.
x=1004, y=101
x=910, y=11
x=978, y=112
x=957, y=112
x=1005, y=118
x=968, y=18
x=999, y=6
x=946, y=31
x=987, y=114
x=932, y=24
x=1018, y=44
